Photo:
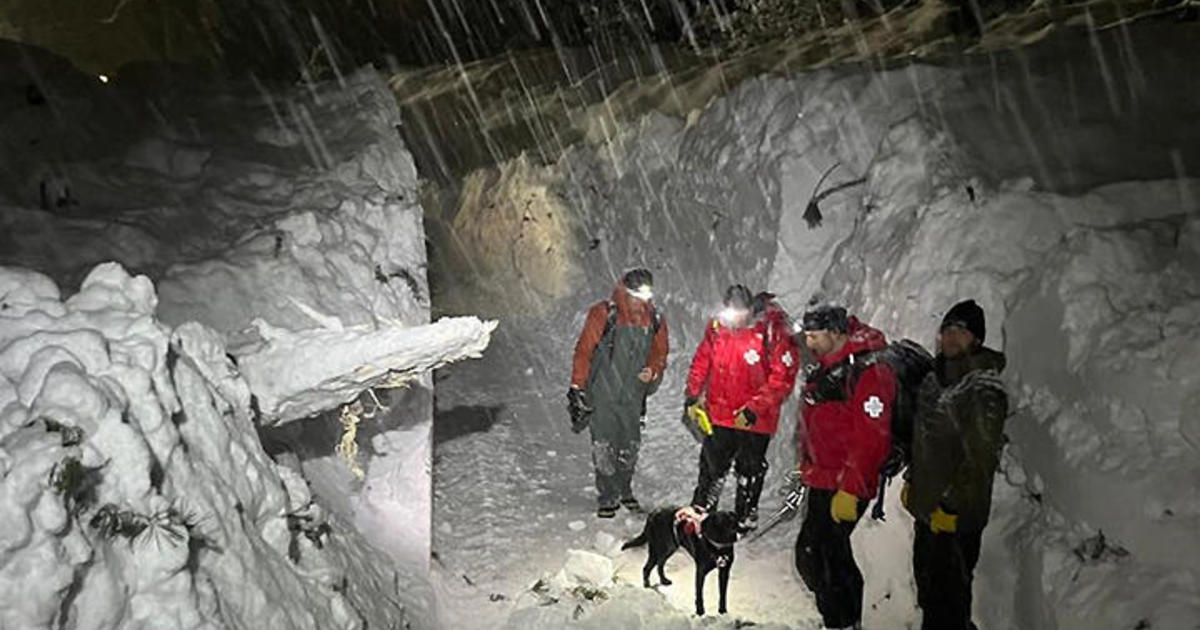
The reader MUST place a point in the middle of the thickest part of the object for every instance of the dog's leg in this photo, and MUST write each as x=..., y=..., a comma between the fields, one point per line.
x=647, y=569
x=701, y=574
x=723, y=584
x=662, y=577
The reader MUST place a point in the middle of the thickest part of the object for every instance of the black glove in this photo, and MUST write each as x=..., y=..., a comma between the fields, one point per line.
x=745, y=418
x=580, y=409
x=688, y=401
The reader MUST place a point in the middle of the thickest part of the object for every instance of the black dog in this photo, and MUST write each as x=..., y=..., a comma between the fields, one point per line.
x=708, y=538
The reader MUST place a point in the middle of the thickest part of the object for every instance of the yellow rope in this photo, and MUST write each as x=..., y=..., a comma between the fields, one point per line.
x=347, y=448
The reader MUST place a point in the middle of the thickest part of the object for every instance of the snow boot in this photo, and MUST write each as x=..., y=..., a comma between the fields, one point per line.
x=749, y=489
x=632, y=505
x=606, y=511
x=749, y=522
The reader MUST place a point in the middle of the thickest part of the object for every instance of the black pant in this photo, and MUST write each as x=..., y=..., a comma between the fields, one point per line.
x=944, y=565
x=748, y=452
x=826, y=561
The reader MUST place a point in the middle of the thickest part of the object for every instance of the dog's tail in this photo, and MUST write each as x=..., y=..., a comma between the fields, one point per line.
x=636, y=542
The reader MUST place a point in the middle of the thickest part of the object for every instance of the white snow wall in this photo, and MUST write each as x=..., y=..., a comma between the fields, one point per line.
x=135, y=490
x=296, y=206
x=1080, y=241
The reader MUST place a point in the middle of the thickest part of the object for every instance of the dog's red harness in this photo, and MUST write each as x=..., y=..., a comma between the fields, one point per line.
x=693, y=525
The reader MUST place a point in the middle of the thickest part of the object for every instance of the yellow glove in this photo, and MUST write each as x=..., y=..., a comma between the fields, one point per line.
x=696, y=412
x=844, y=507
x=942, y=523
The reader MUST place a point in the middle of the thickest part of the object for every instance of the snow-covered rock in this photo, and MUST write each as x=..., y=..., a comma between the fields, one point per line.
x=637, y=609
x=586, y=567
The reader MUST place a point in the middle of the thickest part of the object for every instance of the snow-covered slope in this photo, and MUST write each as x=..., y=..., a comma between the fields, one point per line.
x=241, y=200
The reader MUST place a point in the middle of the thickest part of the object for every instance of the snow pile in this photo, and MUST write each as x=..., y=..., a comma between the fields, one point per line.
x=297, y=375
x=586, y=567
x=286, y=219
x=135, y=489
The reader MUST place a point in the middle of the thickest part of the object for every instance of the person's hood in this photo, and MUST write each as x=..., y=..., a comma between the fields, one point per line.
x=863, y=338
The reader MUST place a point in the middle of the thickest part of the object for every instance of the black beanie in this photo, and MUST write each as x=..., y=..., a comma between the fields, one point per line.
x=968, y=315
x=831, y=318
x=761, y=301
x=738, y=296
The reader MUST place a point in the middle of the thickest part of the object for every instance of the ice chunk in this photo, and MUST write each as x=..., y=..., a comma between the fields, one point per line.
x=586, y=567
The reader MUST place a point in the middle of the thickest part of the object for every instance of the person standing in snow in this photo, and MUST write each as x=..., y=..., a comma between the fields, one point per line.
x=741, y=373
x=957, y=438
x=619, y=361
x=846, y=417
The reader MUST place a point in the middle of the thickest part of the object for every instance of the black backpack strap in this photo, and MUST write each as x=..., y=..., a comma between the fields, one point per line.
x=610, y=323
x=766, y=342
x=610, y=338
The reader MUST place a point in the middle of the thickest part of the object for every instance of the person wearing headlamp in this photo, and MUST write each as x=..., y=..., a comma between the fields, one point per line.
x=619, y=360
x=740, y=374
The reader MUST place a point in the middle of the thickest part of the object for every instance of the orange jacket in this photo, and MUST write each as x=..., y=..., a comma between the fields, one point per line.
x=630, y=312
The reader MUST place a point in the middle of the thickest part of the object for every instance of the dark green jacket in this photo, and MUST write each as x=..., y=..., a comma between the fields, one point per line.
x=957, y=438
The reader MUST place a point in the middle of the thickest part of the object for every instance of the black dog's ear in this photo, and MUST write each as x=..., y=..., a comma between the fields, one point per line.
x=721, y=528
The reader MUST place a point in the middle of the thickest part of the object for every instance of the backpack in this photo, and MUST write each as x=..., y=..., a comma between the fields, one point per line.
x=910, y=363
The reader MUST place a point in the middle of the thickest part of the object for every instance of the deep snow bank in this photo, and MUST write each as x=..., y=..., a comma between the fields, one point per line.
x=972, y=186
x=1095, y=299
x=285, y=218
x=135, y=488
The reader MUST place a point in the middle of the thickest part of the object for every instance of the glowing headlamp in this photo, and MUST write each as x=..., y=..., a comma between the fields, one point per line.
x=731, y=315
x=643, y=292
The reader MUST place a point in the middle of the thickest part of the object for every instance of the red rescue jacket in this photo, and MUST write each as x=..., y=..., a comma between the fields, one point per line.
x=846, y=442
x=753, y=367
